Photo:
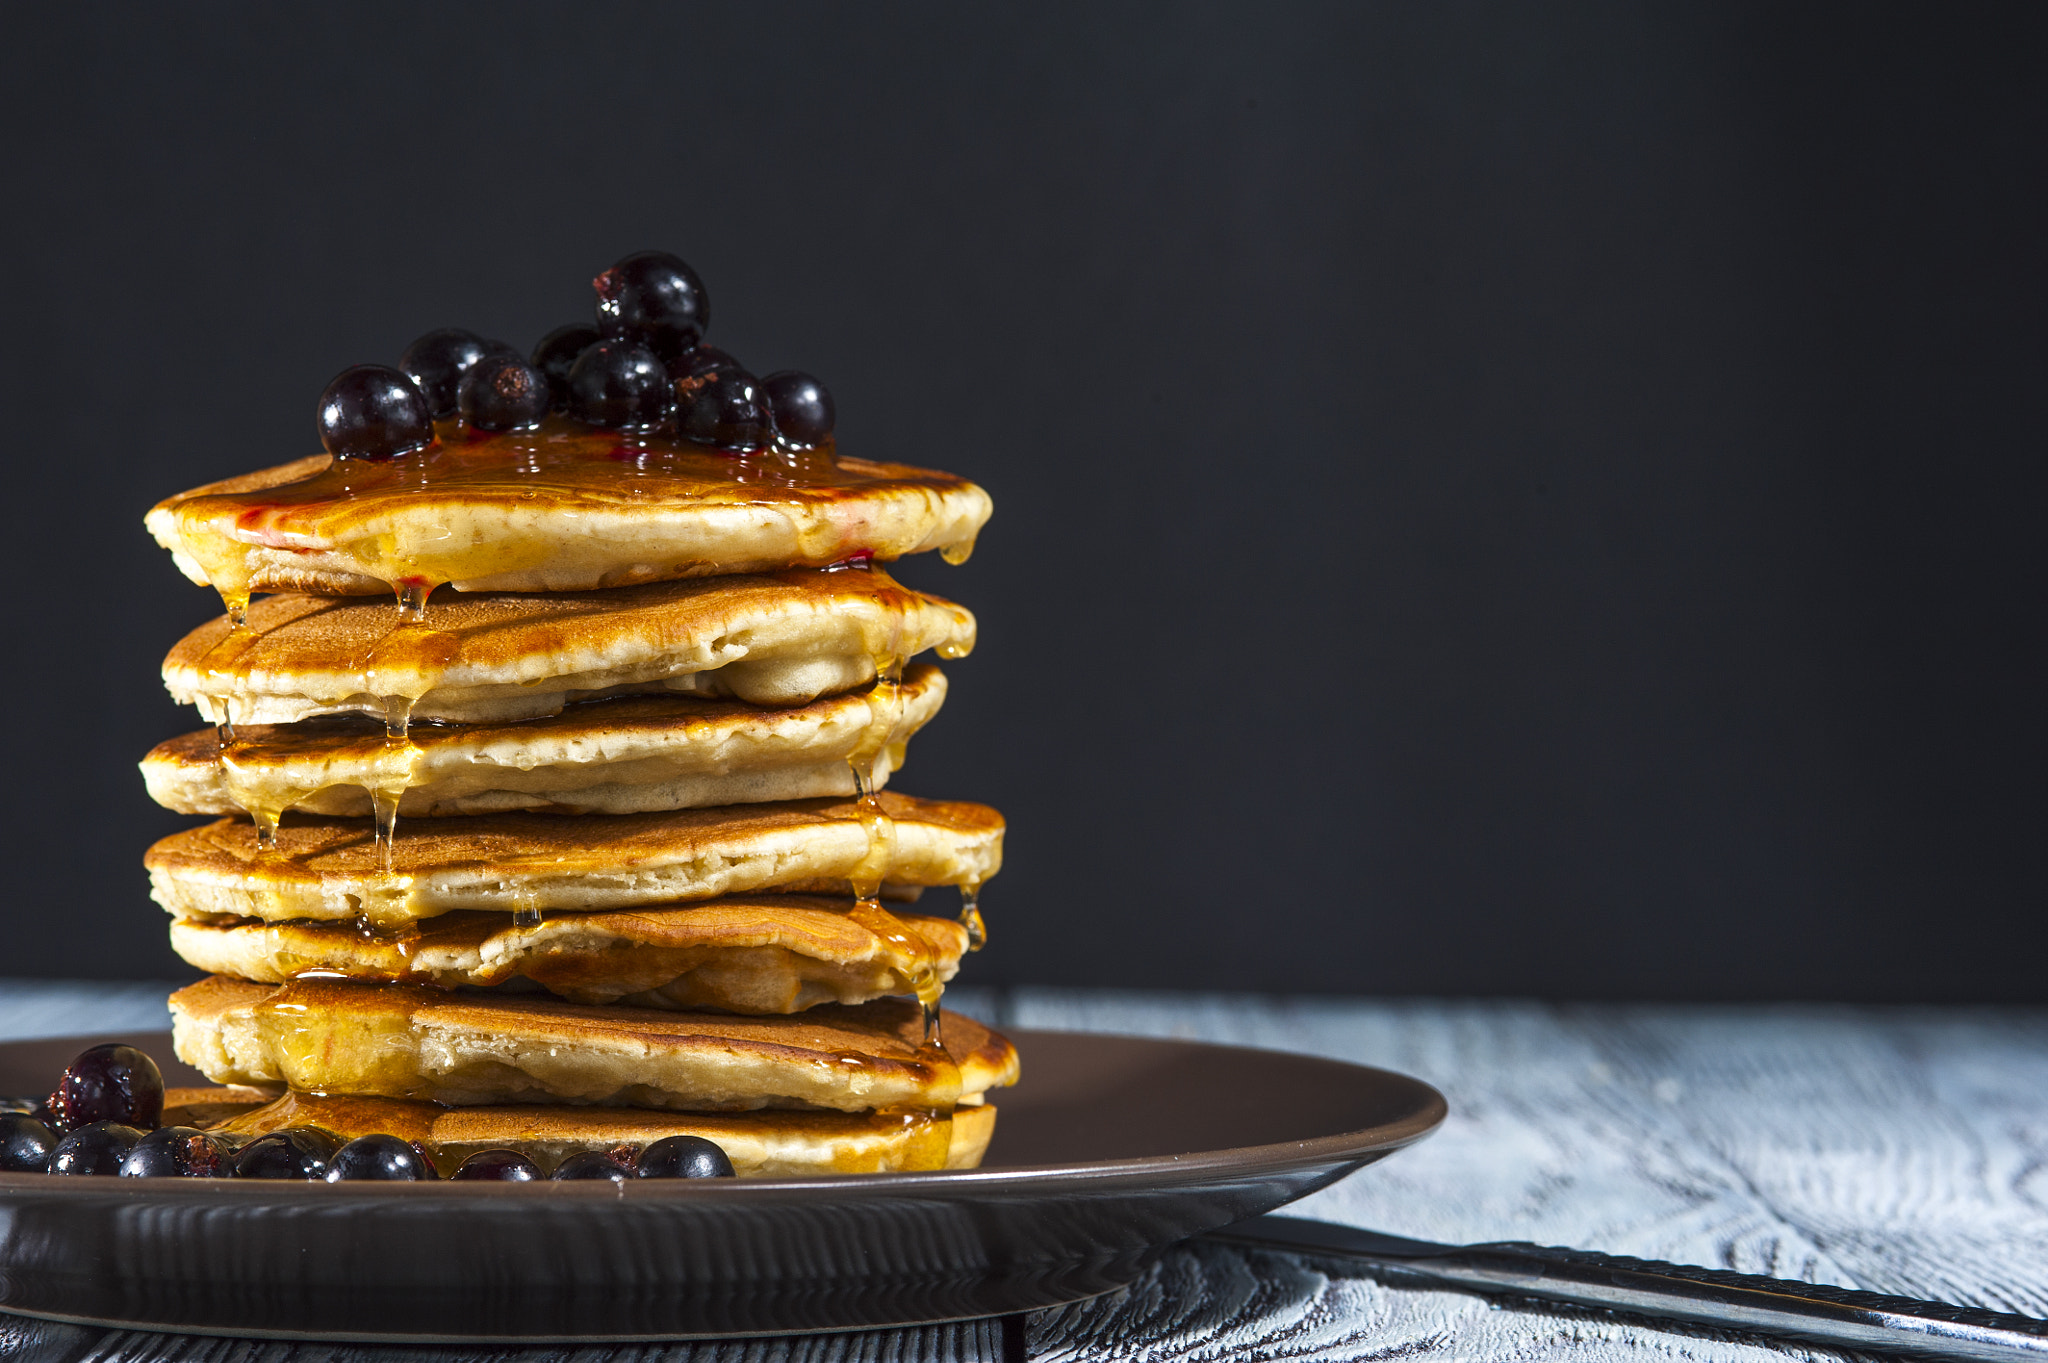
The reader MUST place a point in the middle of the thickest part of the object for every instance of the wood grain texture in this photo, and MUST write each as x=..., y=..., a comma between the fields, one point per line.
x=1897, y=1150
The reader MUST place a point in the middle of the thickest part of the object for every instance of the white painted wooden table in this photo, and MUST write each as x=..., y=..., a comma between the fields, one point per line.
x=1897, y=1150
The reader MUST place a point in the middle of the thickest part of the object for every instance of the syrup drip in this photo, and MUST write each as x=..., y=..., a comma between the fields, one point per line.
x=228, y=753
x=526, y=911
x=384, y=807
x=412, y=600
x=913, y=963
x=394, y=775
x=970, y=916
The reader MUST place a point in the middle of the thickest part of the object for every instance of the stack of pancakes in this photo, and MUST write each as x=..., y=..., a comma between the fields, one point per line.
x=584, y=842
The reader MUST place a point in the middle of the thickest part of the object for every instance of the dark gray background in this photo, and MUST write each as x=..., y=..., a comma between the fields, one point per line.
x=1491, y=498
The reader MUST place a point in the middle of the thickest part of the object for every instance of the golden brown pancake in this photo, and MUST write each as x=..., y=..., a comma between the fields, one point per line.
x=622, y=756
x=329, y=869
x=768, y=1144
x=561, y=508
x=781, y=639
x=748, y=954
x=412, y=1041
x=209, y=1107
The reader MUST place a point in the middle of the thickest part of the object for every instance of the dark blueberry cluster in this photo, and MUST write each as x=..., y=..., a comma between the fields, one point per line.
x=105, y=1118
x=642, y=368
x=671, y=1157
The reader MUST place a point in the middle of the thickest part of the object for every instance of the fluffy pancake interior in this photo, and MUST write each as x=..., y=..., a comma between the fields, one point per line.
x=330, y=870
x=410, y=1041
x=750, y=954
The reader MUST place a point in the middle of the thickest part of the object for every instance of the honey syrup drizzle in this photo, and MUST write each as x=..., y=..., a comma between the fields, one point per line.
x=345, y=505
x=912, y=959
x=399, y=669
x=402, y=666
x=970, y=915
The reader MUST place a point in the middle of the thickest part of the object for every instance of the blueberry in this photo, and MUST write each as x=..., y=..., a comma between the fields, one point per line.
x=684, y=1157
x=379, y=1157
x=654, y=298
x=438, y=360
x=296, y=1152
x=110, y=1083
x=503, y=394
x=801, y=406
x=726, y=412
x=95, y=1148
x=620, y=386
x=178, y=1152
x=372, y=411
x=557, y=351
x=592, y=1164
x=25, y=1144
x=698, y=365
x=499, y=1166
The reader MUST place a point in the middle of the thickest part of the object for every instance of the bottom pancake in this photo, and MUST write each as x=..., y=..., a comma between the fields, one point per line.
x=410, y=1041
x=759, y=1144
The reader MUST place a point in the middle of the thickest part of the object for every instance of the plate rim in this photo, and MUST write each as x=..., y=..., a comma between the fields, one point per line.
x=1361, y=1143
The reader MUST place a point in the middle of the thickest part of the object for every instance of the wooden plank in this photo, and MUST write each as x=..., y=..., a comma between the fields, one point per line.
x=1891, y=1149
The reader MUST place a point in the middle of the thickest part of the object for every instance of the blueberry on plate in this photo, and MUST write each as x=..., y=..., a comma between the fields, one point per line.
x=499, y=1166
x=655, y=299
x=557, y=351
x=727, y=412
x=800, y=405
x=294, y=1152
x=503, y=393
x=25, y=1144
x=379, y=1157
x=111, y=1083
x=95, y=1148
x=178, y=1152
x=592, y=1164
x=684, y=1157
x=438, y=360
x=619, y=385
x=372, y=411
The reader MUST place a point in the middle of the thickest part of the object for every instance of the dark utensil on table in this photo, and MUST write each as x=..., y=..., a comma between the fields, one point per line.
x=1833, y=1316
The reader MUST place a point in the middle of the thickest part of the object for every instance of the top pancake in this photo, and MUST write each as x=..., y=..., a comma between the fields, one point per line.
x=559, y=508
x=778, y=639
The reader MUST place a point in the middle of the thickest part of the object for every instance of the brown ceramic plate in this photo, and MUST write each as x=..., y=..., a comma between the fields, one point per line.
x=1111, y=1149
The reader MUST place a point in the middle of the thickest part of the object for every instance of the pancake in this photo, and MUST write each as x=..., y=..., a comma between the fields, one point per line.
x=753, y=954
x=329, y=869
x=783, y=639
x=765, y=1144
x=563, y=508
x=412, y=1041
x=623, y=756
x=209, y=1107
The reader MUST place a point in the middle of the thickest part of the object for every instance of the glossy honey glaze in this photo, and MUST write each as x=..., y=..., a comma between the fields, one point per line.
x=529, y=489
